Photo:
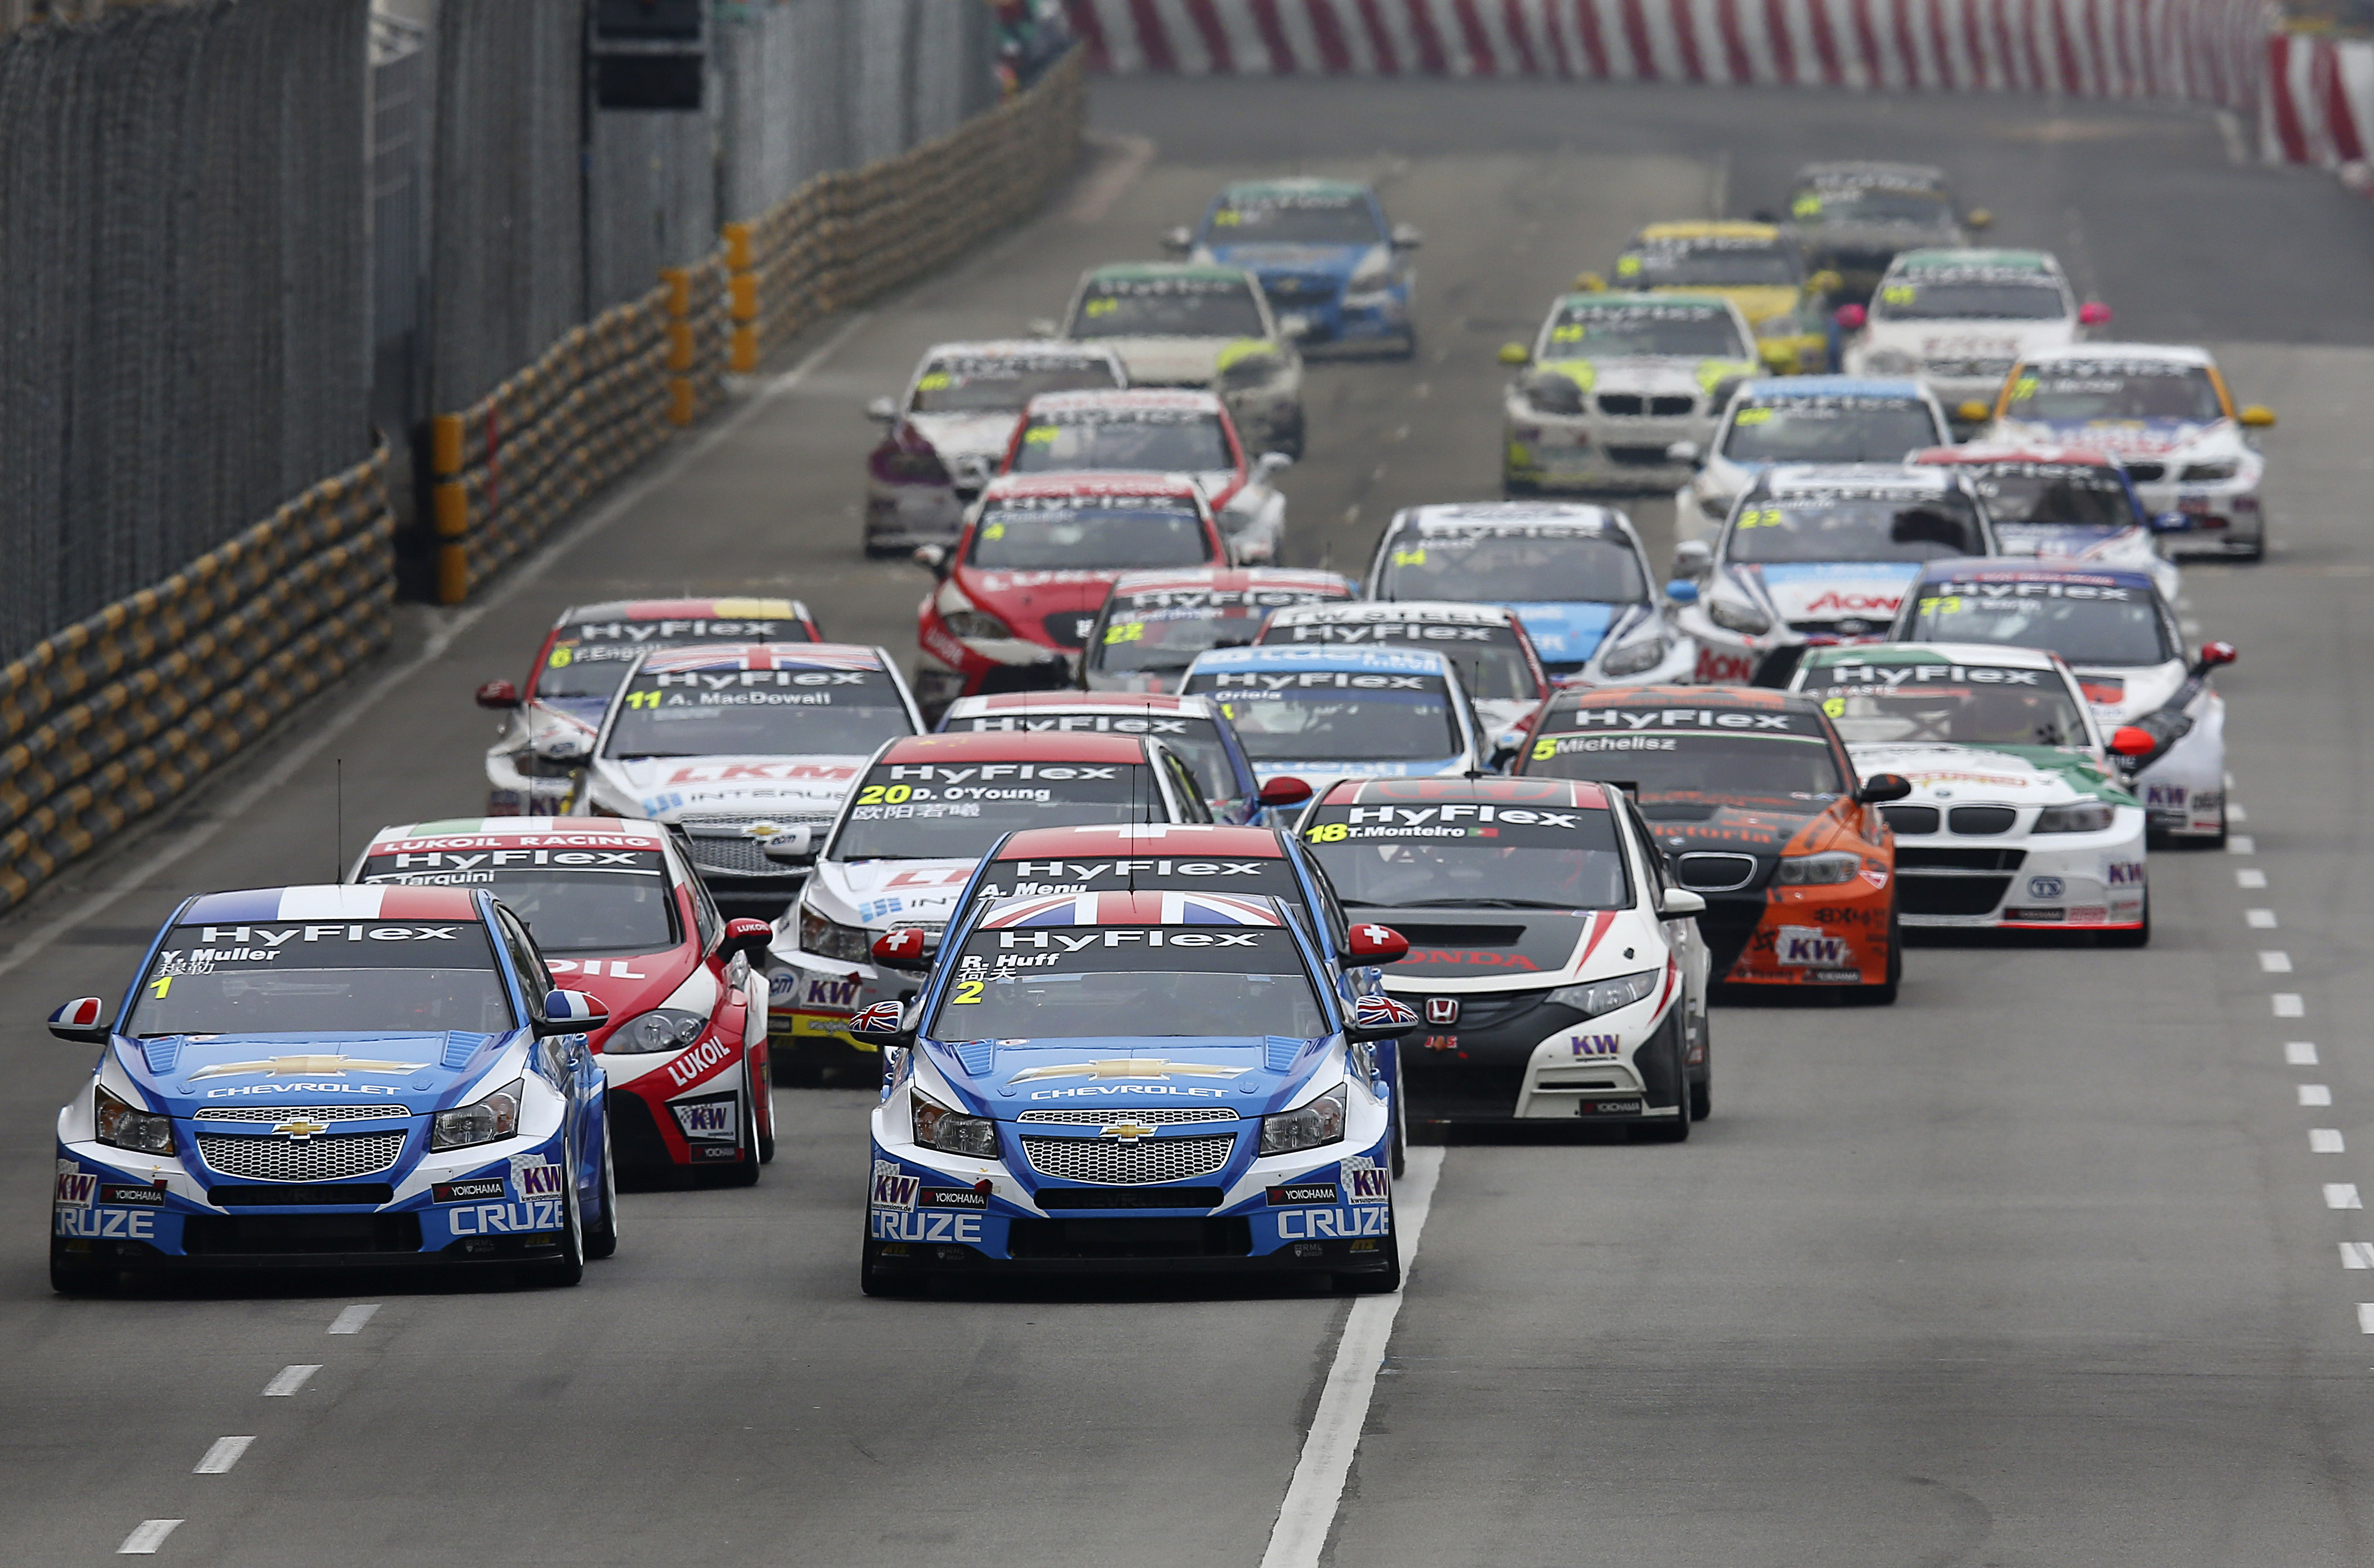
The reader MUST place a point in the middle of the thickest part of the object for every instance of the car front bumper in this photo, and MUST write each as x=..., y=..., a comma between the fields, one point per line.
x=2048, y=881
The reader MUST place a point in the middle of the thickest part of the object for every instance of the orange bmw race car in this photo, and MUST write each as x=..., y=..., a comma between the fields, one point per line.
x=1754, y=802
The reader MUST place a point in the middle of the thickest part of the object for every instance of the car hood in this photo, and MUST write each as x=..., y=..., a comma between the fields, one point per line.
x=1652, y=373
x=2120, y=694
x=1171, y=362
x=1499, y=948
x=2131, y=438
x=421, y=1071
x=1762, y=829
x=1833, y=590
x=1291, y=258
x=965, y=434
x=882, y=894
x=1249, y=1075
x=1885, y=238
x=1029, y=601
x=671, y=789
x=2017, y=775
x=1566, y=631
x=1756, y=301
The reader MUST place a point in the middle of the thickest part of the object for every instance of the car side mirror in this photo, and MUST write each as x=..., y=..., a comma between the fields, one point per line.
x=1980, y=218
x=568, y=748
x=1683, y=451
x=794, y=846
x=1882, y=786
x=748, y=937
x=572, y=1012
x=500, y=696
x=82, y=1022
x=1380, y=1018
x=1285, y=790
x=1850, y=317
x=1294, y=326
x=909, y=947
x=2215, y=654
x=1682, y=591
x=1973, y=412
x=1590, y=283
x=2133, y=740
x=2094, y=313
x=882, y=411
x=1041, y=326
x=1693, y=558
x=1680, y=903
x=1373, y=943
x=1406, y=237
x=2258, y=416
x=933, y=558
x=1514, y=354
x=2171, y=522
x=1179, y=241
x=1270, y=464
x=884, y=1023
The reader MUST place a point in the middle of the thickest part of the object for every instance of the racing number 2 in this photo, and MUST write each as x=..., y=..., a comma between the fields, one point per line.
x=967, y=990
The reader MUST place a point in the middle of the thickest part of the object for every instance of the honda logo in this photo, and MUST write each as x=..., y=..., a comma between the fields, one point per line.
x=1442, y=1010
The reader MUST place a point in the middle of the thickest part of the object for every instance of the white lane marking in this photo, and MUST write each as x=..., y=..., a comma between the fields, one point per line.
x=289, y=1379
x=339, y=717
x=1311, y=1498
x=2342, y=1195
x=143, y=1541
x=2288, y=1005
x=2357, y=1254
x=2316, y=1094
x=2250, y=876
x=2230, y=130
x=352, y=1319
x=2300, y=1053
x=1117, y=163
x=2325, y=1141
x=222, y=1456
x=2241, y=844
x=2274, y=961
x=2260, y=920
x=2365, y=1317
x=2236, y=814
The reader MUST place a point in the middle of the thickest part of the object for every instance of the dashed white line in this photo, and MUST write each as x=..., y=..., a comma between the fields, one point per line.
x=2326, y=1140
x=2300, y=1053
x=289, y=1379
x=222, y=1456
x=2357, y=1254
x=2241, y=844
x=2342, y=1195
x=352, y=1319
x=2316, y=1094
x=2365, y=1317
x=2274, y=961
x=2288, y=1005
x=2260, y=920
x=2234, y=813
x=2250, y=876
x=143, y=1541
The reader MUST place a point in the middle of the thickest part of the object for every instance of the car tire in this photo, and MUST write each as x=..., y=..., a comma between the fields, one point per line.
x=602, y=1241
x=1409, y=345
x=1702, y=1087
x=1678, y=1130
x=1702, y=1100
x=763, y=1076
x=1400, y=1157
x=743, y=1172
x=1381, y=1282
x=1884, y=993
x=2139, y=937
x=569, y=1269
x=69, y=1278
x=875, y=1282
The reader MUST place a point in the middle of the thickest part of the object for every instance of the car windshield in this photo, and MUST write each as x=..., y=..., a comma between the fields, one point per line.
x=1491, y=661
x=967, y=385
x=1846, y=527
x=1168, y=306
x=1089, y=533
x=587, y=900
x=1794, y=772
x=1494, y=856
x=922, y=811
x=353, y=977
x=1289, y=715
x=589, y=659
x=1978, y=298
x=2111, y=392
x=1932, y=701
x=735, y=712
x=1843, y=428
x=2073, y=495
x=2107, y=623
x=1612, y=331
x=1293, y=220
x=1061, y=983
x=1707, y=263
x=1892, y=204
x=1195, y=739
x=1163, y=440
x=1512, y=565
x=1136, y=640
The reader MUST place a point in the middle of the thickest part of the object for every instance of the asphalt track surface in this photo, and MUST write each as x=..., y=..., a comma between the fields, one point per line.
x=2037, y=1268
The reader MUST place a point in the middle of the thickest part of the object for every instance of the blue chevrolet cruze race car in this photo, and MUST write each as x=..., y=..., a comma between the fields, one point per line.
x=1322, y=250
x=355, y=1076
x=1134, y=1082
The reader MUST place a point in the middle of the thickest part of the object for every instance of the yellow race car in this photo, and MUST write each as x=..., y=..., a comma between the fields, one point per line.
x=1751, y=264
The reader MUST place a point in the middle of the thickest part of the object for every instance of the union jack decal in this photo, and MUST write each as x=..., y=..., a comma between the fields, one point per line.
x=1382, y=1011
x=761, y=656
x=1132, y=910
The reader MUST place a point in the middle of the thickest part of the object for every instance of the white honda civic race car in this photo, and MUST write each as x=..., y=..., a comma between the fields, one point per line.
x=2016, y=818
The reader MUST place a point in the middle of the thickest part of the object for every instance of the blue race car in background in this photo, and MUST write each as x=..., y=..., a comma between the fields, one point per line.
x=1136, y=1082
x=1322, y=250
x=335, y=1076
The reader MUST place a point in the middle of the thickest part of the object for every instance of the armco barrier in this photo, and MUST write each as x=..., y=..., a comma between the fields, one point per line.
x=111, y=718
x=2204, y=50
x=2320, y=105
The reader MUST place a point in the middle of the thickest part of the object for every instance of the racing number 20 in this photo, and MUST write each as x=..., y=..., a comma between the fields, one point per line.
x=884, y=794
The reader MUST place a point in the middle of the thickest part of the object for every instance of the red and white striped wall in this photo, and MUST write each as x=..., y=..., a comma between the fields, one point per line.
x=2320, y=104
x=2208, y=51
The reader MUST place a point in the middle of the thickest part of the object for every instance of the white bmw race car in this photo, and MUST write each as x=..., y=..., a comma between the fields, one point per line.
x=1960, y=319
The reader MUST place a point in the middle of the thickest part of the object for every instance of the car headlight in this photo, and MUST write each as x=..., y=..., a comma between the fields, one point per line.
x=1720, y=398
x=976, y=625
x=483, y=1119
x=1734, y=616
x=2195, y=472
x=1253, y=370
x=661, y=1029
x=1306, y=1126
x=2090, y=816
x=120, y=1127
x=1375, y=272
x=1817, y=870
x=1549, y=393
x=1595, y=996
x=1713, y=506
x=953, y=1132
x=830, y=939
x=1644, y=653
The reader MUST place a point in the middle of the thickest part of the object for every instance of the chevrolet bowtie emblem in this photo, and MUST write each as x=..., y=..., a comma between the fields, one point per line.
x=1130, y=1067
x=300, y=1066
x=1127, y=1131
x=299, y=1130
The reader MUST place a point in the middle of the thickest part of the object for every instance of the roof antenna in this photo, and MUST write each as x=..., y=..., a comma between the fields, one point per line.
x=338, y=833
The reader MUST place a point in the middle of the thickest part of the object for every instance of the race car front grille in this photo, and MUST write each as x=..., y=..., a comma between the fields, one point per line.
x=1622, y=405
x=1231, y=1236
x=733, y=857
x=301, y=1195
x=1966, y=369
x=1910, y=819
x=1936, y=893
x=1669, y=407
x=1644, y=456
x=2147, y=472
x=1154, y=1118
x=1129, y=1197
x=302, y=1113
x=1477, y=1013
x=1287, y=286
x=1709, y=873
x=268, y=1236
x=313, y=1159
x=1979, y=821
x=1110, y=1162
x=1923, y=858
